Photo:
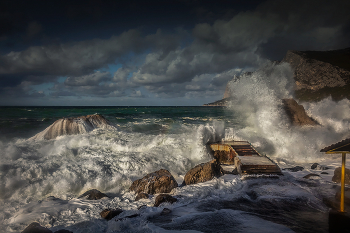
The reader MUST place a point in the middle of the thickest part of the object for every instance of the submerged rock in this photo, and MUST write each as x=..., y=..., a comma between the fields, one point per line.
x=294, y=169
x=73, y=125
x=164, y=198
x=311, y=175
x=165, y=211
x=109, y=214
x=156, y=182
x=63, y=231
x=35, y=227
x=296, y=113
x=337, y=175
x=317, y=166
x=93, y=194
x=203, y=172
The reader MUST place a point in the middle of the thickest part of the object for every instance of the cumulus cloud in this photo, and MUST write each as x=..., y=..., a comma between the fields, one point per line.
x=88, y=80
x=170, y=68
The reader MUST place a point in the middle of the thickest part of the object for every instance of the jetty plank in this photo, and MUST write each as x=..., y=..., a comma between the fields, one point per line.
x=246, y=159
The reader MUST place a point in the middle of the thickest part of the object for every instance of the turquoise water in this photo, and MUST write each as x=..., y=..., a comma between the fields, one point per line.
x=23, y=122
x=41, y=180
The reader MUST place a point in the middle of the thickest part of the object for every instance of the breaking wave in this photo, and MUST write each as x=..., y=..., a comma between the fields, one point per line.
x=257, y=97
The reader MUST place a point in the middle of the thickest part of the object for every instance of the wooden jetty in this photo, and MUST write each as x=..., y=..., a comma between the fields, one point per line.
x=241, y=155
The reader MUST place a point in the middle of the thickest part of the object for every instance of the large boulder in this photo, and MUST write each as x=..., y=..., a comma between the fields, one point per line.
x=203, y=172
x=296, y=113
x=156, y=182
x=73, y=125
x=337, y=175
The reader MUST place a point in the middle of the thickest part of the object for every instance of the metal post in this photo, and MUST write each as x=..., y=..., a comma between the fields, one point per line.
x=342, y=191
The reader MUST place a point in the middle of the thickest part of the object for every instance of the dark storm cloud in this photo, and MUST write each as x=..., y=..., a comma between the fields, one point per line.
x=88, y=80
x=308, y=25
x=247, y=40
x=200, y=48
x=77, y=59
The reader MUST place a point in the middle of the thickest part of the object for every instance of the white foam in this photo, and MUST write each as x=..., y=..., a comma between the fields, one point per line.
x=257, y=97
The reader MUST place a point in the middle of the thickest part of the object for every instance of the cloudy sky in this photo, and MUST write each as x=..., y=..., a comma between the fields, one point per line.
x=136, y=53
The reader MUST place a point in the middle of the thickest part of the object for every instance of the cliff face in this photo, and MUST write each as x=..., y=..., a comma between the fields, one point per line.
x=315, y=70
x=69, y=126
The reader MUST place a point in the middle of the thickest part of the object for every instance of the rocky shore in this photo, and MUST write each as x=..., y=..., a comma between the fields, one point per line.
x=161, y=184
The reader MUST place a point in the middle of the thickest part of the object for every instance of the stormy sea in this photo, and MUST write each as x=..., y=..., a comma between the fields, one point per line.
x=42, y=180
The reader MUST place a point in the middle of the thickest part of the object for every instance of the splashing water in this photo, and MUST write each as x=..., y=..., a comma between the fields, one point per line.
x=258, y=99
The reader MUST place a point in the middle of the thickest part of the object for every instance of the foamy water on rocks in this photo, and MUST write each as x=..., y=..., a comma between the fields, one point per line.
x=41, y=180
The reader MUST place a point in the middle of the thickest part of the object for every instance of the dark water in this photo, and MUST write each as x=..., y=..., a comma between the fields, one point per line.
x=146, y=139
x=24, y=122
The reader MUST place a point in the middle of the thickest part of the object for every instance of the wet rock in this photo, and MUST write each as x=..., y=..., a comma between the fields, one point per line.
x=109, y=214
x=297, y=113
x=294, y=169
x=35, y=227
x=63, y=231
x=73, y=125
x=141, y=196
x=203, y=172
x=317, y=166
x=93, y=194
x=164, y=198
x=130, y=216
x=337, y=175
x=156, y=182
x=165, y=211
x=311, y=175
x=141, y=207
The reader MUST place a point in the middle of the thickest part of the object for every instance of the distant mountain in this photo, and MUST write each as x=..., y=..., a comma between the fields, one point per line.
x=222, y=102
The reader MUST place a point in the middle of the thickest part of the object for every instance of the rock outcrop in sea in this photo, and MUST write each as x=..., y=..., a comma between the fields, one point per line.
x=73, y=125
x=296, y=113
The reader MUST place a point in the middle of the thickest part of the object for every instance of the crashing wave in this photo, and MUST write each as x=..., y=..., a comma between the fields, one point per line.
x=73, y=125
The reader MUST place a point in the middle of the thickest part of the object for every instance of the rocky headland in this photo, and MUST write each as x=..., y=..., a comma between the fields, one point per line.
x=317, y=75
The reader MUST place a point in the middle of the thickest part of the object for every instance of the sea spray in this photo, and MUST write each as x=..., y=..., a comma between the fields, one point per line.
x=258, y=98
x=32, y=172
